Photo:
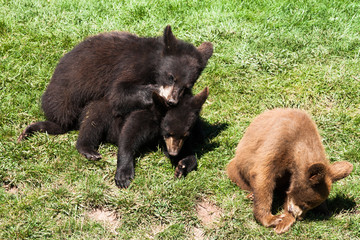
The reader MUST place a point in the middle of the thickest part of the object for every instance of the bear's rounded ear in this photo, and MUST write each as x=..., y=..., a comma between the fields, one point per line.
x=169, y=40
x=200, y=98
x=159, y=102
x=206, y=51
x=316, y=173
x=340, y=170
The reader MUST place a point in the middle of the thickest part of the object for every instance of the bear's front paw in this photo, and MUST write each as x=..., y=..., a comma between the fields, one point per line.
x=123, y=177
x=185, y=166
x=285, y=224
x=180, y=170
x=272, y=220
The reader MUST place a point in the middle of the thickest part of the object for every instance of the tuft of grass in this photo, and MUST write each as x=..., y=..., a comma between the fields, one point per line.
x=267, y=54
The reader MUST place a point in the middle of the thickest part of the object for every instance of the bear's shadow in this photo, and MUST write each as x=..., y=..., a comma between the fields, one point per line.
x=335, y=205
x=210, y=131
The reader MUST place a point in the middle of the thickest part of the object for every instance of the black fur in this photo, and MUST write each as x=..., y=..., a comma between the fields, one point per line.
x=139, y=128
x=122, y=68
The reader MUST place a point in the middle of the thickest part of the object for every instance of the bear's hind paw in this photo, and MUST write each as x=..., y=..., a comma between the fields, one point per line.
x=90, y=154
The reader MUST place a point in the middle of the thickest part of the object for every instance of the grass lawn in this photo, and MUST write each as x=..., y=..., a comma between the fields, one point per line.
x=280, y=53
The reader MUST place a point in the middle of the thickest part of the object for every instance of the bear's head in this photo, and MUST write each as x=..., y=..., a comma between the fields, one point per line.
x=178, y=122
x=308, y=193
x=180, y=66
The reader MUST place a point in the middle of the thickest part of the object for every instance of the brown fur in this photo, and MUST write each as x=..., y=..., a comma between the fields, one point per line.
x=283, y=147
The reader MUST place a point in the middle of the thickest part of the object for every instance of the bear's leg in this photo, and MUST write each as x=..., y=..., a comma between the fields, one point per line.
x=96, y=123
x=185, y=166
x=263, y=188
x=287, y=220
x=126, y=97
x=90, y=136
x=45, y=126
x=138, y=129
x=235, y=175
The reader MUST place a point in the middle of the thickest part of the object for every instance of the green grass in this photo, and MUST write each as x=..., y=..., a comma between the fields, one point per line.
x=267, y=54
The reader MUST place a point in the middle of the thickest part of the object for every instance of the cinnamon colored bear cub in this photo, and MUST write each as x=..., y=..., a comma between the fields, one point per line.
x=177, y=127
x=282, y=147
x=123, y=68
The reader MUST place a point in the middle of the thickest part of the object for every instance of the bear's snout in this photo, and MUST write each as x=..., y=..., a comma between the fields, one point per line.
x=170, y=94
x=171, y=102
x=173, y=145
x=294, y=209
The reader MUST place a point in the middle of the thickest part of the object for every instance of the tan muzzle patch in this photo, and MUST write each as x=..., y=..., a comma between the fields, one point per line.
x=294, y=209
x=166, y=92
x=173, y=145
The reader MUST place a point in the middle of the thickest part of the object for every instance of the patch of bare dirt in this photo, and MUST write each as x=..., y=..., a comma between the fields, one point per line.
x=198, y=233
x=106, y=217
x=155, y=229
x=11, y=189
x=208, y=213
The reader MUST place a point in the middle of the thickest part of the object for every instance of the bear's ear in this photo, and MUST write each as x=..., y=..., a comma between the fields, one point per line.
x=200, y=98
x=316, y=173
x=159, y=102
x=340, y=170
x=206, y=51
x=169, y=40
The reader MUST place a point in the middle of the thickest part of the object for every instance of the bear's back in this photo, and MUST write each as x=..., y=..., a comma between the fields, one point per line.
x=100, y=58
x=288, y=136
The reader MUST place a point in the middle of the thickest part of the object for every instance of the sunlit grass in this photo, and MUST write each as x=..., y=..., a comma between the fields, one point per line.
x=302, y=54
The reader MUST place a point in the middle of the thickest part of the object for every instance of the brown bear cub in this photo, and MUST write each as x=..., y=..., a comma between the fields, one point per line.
x=282, y=147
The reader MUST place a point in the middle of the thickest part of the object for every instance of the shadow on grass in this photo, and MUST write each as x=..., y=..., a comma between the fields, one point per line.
x=209, y=132
x=340, y=203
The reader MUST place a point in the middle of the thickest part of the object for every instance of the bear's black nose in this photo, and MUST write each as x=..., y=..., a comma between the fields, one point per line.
x=171, y=102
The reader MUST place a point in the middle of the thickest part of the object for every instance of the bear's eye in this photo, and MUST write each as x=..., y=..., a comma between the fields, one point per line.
x=167, y=135
x=171, y=78
x=303, y=207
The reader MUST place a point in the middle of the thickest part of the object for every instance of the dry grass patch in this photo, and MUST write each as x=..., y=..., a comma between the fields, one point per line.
x=208, y=213
x=105, y=217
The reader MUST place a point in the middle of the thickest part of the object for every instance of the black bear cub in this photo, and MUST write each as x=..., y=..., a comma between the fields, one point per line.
x=177, y=127
x=123, y=68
